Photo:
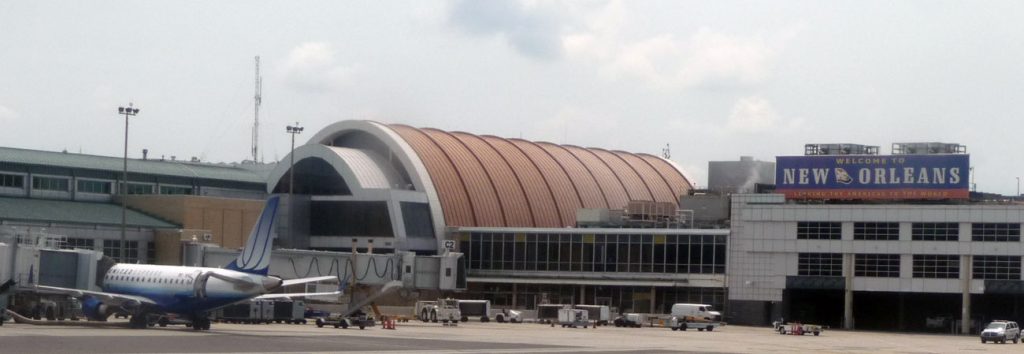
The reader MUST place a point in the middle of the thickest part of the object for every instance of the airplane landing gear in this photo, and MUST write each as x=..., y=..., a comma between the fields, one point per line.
x=200, y=323
x=138, y=321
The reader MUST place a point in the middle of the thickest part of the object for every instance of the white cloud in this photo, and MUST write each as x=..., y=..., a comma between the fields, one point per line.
x=564, y=128
x=7, y=114
x=312, y=67
x=531, y=27
x=755, y=114
x=705, y=58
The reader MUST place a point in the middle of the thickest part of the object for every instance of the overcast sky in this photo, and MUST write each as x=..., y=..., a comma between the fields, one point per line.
x=715, y=79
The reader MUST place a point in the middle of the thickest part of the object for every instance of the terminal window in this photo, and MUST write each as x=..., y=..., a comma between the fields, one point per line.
x=936, y=266
x=80, y=243
x=877, y=265
x=935, y=231
x=818, y=230
x=50, y=184
x=175, y=190
x=13, y=181
x=883, y=231
x=637, y=253
x=112, y=248
x=89, y=186
x=820, y=264
x=417, y=220
x=137, y=188
x=996, y=267
x=995, y=232
x=350, y=218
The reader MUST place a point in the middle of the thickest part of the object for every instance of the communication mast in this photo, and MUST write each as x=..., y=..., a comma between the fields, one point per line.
x=256, y=113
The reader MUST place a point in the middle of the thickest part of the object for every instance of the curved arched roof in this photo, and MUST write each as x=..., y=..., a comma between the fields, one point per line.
x=495, y=182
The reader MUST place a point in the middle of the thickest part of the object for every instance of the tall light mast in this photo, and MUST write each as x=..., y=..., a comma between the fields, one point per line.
x=256, y=113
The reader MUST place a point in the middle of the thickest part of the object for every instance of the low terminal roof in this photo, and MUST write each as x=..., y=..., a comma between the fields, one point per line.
x=62, y=211
x=107, y=163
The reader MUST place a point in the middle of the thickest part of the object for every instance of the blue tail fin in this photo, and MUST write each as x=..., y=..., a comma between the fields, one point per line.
x=255, y=257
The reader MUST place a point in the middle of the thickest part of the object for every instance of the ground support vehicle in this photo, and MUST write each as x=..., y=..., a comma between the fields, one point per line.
x=699, y=316
x=797, y=328
x=5, y=290
x=475, y=308
x=573, y=318
x=358, y=319
x=290, y=312
x=548, y=313
x=600, y=314
x=629, y=320
x=507, y=315
x=442, y=310
x=1001, y=331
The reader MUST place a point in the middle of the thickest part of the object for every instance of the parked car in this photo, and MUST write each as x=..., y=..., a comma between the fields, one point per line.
x=1001, y=331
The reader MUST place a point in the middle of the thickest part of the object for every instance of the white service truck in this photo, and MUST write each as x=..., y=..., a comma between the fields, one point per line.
x=442, y=310
x=573, y=318
x=699, y=316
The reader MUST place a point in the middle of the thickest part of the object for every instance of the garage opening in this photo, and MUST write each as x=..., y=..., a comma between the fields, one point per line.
x=824, y=307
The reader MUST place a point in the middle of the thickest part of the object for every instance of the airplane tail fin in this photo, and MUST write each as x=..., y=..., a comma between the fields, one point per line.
x=255, y=257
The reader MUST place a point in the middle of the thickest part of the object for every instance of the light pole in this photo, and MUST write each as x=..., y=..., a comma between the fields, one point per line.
x=127, y=112
x=291, y=171
x=1018, y=187
x=293, y=130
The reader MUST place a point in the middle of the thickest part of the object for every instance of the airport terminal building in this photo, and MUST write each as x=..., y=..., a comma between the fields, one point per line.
x=77, y=197
x=515, y=208
x=909, y=250
x=848, y=237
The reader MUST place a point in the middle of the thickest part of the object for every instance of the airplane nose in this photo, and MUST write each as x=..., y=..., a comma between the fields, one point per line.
x=271, y=283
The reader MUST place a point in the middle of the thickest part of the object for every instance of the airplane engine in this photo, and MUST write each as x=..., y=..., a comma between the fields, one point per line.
x=95, y=309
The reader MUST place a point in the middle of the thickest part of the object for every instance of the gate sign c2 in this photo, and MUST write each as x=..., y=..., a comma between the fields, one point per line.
x=890, y=177
x=449, y=245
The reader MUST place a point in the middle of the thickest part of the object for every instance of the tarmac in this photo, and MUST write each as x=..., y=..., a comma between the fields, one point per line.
x=472, y=337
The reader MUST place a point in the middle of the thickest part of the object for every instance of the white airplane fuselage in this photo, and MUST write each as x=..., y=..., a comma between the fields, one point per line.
x=178, y=289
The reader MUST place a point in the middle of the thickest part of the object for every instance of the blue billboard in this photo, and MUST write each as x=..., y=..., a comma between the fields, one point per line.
x=873, y=176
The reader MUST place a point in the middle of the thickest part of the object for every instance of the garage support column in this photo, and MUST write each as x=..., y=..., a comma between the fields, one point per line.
x=583, y=294
x=515, y=294
x=848, y=291
x=965, y=287
x=653, y=293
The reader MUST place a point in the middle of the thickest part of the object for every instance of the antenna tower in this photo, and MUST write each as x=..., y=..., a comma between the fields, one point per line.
x=666, y=152
x=256, y=113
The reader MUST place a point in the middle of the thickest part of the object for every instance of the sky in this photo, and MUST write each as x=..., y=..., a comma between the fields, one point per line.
x=713, y=80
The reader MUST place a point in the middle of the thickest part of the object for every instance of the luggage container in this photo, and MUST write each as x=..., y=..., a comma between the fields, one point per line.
x=475, y=308
x=573, y=318
x=600, y=314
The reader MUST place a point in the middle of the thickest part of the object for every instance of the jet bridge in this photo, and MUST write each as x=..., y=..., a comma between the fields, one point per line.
x=444, y=272
x=365, y=276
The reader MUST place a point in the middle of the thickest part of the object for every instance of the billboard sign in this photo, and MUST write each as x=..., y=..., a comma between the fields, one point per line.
x=873, y=176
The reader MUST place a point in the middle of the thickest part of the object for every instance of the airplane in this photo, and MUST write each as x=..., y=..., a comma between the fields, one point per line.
x=143, y=290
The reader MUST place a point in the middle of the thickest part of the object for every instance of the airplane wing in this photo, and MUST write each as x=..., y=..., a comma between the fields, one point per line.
x=294, y=295
x=307, y=280
x=111, y=298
